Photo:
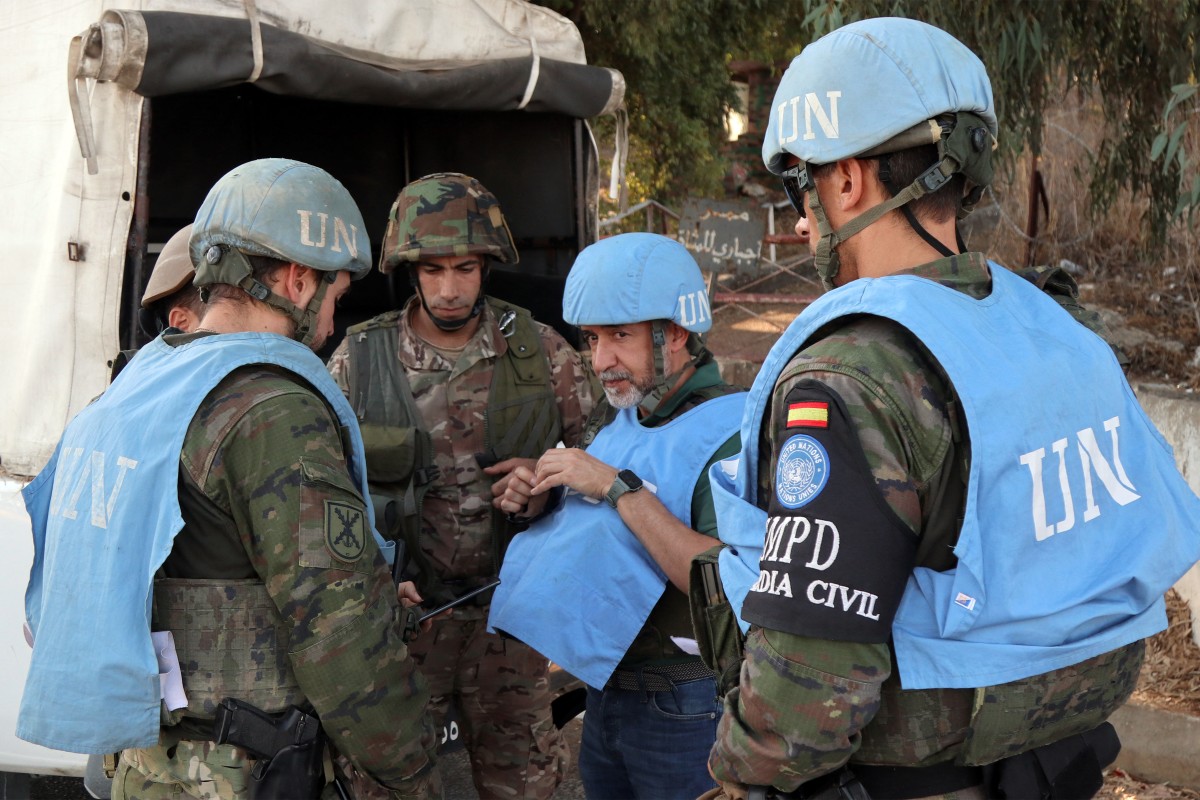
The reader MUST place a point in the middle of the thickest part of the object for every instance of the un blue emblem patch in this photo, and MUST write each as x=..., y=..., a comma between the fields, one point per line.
x=801, y=472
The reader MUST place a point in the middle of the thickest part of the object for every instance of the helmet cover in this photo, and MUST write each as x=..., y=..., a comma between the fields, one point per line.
x=445, y=214
x=636, y=277
x=864, y=84
x=282, y=209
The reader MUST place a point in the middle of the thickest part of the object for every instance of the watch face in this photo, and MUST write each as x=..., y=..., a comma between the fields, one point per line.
x=630, y=479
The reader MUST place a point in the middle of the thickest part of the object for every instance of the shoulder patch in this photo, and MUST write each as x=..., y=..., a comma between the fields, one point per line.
x=808, y=415
x=345, y=530
x=801, y=471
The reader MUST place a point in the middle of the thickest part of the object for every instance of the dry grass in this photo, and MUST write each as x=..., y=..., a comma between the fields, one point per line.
x=1153, y=290
x=1171, y=675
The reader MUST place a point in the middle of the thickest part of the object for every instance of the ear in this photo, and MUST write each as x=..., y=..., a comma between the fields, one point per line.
x=849, y=181
x=183, y=318
x=295, y=282
x=677, y=337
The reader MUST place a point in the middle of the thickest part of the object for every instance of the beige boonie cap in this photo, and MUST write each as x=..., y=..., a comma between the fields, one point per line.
x=172, y=271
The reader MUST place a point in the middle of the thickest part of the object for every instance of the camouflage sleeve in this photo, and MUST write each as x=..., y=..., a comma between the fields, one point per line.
x=798, y=709
x=280, y=472
x=572, y=390
x=802, y=702
x=338, y=364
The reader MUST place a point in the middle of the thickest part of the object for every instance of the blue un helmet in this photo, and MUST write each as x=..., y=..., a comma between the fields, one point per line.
x=282, y=209
x=640, y=277
x=877, y=87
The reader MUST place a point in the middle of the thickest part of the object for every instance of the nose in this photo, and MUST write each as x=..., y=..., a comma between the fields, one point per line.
x=449, y=286
x=802, y=228
x=602, y=357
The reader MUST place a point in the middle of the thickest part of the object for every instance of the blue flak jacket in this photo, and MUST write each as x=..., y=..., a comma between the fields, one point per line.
x=1077, y=519
x=105, y=511
x=578, y=585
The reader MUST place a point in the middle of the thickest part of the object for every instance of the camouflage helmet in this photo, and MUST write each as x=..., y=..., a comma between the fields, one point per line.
x=172, y=271
x=445, y=214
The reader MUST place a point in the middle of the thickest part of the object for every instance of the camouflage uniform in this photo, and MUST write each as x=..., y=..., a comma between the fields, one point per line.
x=261, y=460
x=501, y=687
x=806, y=706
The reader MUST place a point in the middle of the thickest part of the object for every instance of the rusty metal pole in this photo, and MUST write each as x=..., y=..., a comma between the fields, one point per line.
x=1031, y=219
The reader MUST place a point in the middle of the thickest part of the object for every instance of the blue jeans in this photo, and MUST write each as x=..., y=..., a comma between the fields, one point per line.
x=649, y=745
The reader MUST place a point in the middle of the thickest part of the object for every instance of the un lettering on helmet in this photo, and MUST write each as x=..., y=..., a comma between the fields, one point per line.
x=637, y=277
x=864, y=84
x=282, y=209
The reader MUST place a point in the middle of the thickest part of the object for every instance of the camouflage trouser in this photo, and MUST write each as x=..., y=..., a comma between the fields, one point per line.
x=502, y=692
x=181, y=769
x=178, y=769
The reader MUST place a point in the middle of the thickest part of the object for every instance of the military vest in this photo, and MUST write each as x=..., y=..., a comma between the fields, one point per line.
x=522, y=422
x=105, y=512
x=1057, y=491
x=578, y=585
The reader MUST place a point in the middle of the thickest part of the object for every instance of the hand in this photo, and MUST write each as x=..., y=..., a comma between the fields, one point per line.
x=724, y=790
x=512, y=493
x=407, y=594
x=574, y=468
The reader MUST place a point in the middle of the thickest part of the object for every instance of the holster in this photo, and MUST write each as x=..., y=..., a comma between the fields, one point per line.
x=713, y=622
x=289, y=748
x=1064, y=770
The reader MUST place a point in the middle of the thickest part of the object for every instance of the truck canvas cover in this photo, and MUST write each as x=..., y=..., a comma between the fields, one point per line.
x=72, y=108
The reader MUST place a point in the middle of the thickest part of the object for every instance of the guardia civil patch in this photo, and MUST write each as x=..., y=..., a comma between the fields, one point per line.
x=801, y=472
x=345, y=530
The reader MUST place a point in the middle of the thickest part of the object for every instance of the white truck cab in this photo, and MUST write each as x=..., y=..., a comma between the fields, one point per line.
x=117, y=117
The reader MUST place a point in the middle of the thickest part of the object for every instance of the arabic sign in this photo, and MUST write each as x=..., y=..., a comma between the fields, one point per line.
x=723, y=236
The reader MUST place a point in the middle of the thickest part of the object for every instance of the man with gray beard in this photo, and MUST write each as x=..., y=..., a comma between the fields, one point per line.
x=599, y=582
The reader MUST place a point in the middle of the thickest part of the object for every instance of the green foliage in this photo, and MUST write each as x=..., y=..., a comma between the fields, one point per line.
x=674, y=55
x=1124, y=55
x=1135, y=59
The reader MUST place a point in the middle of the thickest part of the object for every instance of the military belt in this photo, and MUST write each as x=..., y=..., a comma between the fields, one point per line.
x=901, y=782
x=659, y=678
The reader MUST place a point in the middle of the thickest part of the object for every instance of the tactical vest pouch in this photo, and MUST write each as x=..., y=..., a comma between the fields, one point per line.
x=1015, y=717
x=393, y=454
x=231, y=643
x=713, y=622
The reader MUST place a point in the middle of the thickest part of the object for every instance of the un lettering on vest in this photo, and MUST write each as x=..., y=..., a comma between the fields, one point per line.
x=816, y=543
x=824, y=114
x=1092, y=463
x=341, y=232
x=78, y=471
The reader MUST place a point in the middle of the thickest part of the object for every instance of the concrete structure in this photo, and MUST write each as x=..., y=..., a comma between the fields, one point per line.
x=1177, y=415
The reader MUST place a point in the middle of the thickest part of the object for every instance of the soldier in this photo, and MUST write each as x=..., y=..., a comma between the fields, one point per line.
x=226, y=513
x=931, y=510
x=600, y=585
x=170, y=299
x=452, y=391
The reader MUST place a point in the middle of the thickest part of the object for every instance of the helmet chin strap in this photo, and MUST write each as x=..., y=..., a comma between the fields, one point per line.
x=825, y=258
x=451, y=324
x=305, y=319
x=663, y=383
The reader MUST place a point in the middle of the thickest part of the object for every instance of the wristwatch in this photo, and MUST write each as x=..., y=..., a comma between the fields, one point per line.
x=626, y=481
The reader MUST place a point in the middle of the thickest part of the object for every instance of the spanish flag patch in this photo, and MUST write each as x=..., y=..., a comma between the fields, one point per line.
x=808, y=415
